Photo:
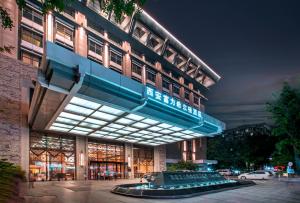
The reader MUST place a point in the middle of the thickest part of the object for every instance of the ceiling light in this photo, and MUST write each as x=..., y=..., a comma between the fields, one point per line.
x=62, y=125
x=59, y=129
x=67, y=121
x=95, y=121
x=124, y=121
x=83, y=102
x=71, y=116
x=140, y=125
x=150, y=121
x=114, y=111
x=164, y=125
x=103, y=116
x=134, y=117
x=78, y=109
x=83, y=129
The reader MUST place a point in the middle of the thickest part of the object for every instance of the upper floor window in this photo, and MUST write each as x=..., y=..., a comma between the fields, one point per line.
x=151, y=75
x=116, y=57
x=186, y=95
x=95, y=47
x=186, y=82
x=32, y=15
x=176, y=89
x=136, y=67
x=196, y=99
x=32, y=37
x=175, y=76
x=64, y=31
x=30, y=59
x=166, y=83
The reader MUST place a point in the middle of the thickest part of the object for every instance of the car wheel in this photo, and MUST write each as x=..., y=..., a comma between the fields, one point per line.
x=243, y=177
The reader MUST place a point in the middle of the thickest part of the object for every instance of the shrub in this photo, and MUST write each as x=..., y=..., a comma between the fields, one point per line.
x=10, y=174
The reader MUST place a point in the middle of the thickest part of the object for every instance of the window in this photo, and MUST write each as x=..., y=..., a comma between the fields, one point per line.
x=30, y=59
x=116, y=57
x=166, y=83
x=186, y=94
x=196, y=99
x=175, y=76
x=64, y=31
x=176, y=89
x=186, y=82
x=32, y=15
x=52, y=157
x=32, y=37
x=151, y=75
x=94, y=47
x=136, y=68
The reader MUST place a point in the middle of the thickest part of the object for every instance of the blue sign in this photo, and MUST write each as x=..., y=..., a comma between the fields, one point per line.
x=171, y=102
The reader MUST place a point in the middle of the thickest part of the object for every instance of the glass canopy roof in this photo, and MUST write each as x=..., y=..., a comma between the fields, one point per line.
x=88, y=118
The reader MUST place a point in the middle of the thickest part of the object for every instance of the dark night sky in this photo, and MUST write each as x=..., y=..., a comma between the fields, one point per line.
x=253, y=44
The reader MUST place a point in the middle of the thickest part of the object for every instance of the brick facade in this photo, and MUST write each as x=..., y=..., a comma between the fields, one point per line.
x=15, y=82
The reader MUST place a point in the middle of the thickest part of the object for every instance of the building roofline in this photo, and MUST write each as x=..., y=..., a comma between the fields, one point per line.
x=153, y=24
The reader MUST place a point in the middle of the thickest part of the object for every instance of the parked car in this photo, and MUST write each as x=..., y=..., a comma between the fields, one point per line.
x=225, y=172
x=256, y=175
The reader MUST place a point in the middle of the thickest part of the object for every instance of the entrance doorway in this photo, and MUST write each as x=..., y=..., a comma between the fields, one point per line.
x=106, y=161
x=106, y=171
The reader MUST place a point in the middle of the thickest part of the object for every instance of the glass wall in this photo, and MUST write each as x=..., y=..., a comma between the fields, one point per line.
x=52, y=157
x=143, y=160
x=106, y=161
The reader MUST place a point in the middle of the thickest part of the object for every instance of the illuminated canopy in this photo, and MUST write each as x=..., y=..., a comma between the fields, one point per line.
x=102, y=103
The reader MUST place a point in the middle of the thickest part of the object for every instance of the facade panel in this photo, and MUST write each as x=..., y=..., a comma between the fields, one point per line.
x=142, y=53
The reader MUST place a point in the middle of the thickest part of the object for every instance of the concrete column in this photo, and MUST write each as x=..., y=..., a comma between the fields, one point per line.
x=49, y=27
x=106, y=51
x=181, y=90
x=160, y=158
x=81, y=148
x=129, y=159
x=158, y=80
x=126, y=59
x=191, y=96
x=81, y=35
x=24, y=145
x=144, y=76
x=201, y=148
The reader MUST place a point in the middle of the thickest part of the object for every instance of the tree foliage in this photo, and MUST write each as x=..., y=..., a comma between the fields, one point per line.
x=183, y=165
x=9, y=173
x=285, y=111
x=244, y=147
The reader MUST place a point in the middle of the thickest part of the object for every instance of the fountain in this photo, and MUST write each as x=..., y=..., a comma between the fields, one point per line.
x=179, y=185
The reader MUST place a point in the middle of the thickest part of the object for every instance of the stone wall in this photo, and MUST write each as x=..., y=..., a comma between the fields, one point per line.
x=160, y=158
x=15, y=83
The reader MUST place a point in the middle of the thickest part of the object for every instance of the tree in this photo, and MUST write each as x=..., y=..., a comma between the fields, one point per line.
x=118, y=7
x=285, y=112
x=244, y=147
x=183, y=165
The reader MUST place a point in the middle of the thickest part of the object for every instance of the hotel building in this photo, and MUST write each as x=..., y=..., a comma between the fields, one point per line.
x=85, y=96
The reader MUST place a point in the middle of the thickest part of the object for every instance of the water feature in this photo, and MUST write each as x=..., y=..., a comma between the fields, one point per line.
x=178, y=185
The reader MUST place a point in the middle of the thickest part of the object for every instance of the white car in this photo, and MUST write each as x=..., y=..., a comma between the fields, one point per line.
x=225, y=172
x=256, y=175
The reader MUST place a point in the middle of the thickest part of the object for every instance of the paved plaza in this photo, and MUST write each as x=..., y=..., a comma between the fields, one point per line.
x=99, y=192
